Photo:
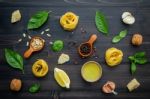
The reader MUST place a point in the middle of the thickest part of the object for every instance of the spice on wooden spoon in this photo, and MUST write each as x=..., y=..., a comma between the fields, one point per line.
x=36, y=44
x=86, y=49
x=109, y=87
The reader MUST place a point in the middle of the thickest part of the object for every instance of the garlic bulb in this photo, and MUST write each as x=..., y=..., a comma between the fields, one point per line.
x=128, y=18
x=125, y=14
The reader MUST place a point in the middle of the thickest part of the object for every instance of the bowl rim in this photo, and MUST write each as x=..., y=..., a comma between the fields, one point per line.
x=98, y=65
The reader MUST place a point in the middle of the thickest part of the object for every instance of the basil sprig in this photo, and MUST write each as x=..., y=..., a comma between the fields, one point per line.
x=119, y=37
x=101, y=22
x=34, y=88
x=137, y=58
x=38, y=19
x=14, y=59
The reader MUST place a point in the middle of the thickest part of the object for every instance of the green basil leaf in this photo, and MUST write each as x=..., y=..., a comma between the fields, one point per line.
x=14, y=59
x=34, y=88
x=57, y=45
x=38, y=20
x=133, y=68
x=131, y=58
x=141, y=61
x=119, y=37
x=101, y=23
x=123, y=33
x=116, y=39
x=139, y=55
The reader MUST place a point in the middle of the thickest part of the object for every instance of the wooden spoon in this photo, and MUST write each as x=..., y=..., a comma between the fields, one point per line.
x=36, y=44
x=87, y=46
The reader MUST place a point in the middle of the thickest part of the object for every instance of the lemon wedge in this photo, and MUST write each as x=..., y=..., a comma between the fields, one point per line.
x=62, y=78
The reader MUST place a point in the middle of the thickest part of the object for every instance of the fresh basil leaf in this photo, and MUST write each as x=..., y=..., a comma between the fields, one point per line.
x=138, y=58
x=14, y=59
x=34, y=88
x=123, y=33
x=38, y=19
x=141, y=61
x=119, y=37
x=101, y=23
x=131, y=58
x=57, y=45
x=133, y=68
x=139, y=55
x=116, y=39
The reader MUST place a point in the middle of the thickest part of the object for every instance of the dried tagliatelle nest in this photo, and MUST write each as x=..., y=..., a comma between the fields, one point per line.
x=16, y=16
x=69, y=21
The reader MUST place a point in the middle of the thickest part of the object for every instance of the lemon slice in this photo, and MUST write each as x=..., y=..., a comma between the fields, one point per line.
x=62, y=78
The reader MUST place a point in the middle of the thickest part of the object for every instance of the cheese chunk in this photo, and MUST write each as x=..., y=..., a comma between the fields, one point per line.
x=16, y=16
x=63, y=58
x=133, y=84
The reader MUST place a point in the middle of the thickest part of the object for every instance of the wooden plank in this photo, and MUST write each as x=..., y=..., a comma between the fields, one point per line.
x=10, y=33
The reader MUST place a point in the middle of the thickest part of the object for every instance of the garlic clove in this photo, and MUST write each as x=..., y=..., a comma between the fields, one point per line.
x=125, y=14
x=129, y=20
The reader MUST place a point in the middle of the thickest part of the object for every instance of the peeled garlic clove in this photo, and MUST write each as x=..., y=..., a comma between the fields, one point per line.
x=125, y=14
x=129, y=20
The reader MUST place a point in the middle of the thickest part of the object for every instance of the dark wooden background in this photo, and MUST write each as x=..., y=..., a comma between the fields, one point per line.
x=10, y=33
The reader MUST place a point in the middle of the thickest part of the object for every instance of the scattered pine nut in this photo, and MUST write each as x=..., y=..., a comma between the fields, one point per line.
x=19, y=40
x=27, y=44
x=43, y=40
x=48, y=35
x=42, y=32
x=47, y=29
x=24, y=35
x=51, y=43
x=29, y=36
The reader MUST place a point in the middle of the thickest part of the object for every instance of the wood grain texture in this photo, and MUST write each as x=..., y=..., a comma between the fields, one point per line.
x=10, y=33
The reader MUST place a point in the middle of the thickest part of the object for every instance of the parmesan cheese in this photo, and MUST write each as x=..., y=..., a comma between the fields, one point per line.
x=63, y=58
x=133, y=84
x=16, y=16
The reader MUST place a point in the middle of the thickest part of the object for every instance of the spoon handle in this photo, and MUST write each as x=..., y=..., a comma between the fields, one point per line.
x=92, y=39
x=28, y=53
